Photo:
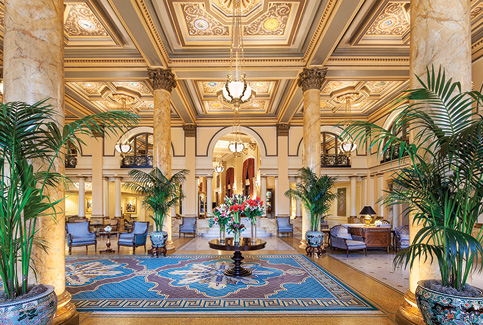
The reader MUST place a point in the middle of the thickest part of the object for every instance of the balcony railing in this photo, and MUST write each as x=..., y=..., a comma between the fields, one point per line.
x=137, y=162
x=392, y=153
x=70, y=161
x=335, y=161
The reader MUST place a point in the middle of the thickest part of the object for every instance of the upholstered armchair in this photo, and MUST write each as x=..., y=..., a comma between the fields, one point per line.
x=402, y=237
x=188, y=226
x=136, y=238
x=342, y=239
x=78, y=234
x=284, y=225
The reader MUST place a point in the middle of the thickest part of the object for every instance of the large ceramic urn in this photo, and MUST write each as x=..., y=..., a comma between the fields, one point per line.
x=159, y=238
x=314, y=238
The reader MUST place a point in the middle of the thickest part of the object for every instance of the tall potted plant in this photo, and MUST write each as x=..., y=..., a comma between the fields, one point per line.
x=160, y=195
x=29, y=134
x=442, y=182
x=316, y=196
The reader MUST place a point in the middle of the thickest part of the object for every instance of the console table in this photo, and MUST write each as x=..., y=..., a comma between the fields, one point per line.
x=245, y=245
x=374, y=237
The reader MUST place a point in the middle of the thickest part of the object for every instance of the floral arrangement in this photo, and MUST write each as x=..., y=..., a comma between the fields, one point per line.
x=220, y=216
x=253, y=208
x=235, y=210
x=378, y=223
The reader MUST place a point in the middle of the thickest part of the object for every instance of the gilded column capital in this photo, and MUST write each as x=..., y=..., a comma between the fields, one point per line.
x=282, y=129
x=311, y=78
x=162, y=78
x=189, y=130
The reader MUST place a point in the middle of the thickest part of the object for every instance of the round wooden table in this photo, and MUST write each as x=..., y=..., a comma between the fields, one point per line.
x=245, y=245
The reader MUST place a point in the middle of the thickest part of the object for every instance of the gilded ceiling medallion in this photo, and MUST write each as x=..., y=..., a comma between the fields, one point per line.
x=393, y=20
x=273, y=22
x=123, y=99
x=81, y=21
x=200, y=23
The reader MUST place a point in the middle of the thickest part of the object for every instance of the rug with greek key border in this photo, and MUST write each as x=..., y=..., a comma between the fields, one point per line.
x=280, y=284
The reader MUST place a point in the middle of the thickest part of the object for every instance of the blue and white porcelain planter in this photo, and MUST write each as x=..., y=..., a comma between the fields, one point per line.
x=441, y=308
x=314, y=238
x=159, y=238
x=37, y=310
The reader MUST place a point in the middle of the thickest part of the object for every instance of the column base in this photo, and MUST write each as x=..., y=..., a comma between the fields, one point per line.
x=66, y=312
x=303, y=244
x=170, y=245
x=408, y=313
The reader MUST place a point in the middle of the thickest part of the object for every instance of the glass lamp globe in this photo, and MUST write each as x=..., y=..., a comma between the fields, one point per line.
x=219, y=169
x=348, y=146
x=236, y=146
x=123, y=148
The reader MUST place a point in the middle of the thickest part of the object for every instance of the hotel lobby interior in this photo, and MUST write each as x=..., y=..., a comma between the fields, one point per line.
x=307, y=68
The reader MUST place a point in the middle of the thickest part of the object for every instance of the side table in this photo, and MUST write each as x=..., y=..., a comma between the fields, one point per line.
x=155, y=250
x=108, y=243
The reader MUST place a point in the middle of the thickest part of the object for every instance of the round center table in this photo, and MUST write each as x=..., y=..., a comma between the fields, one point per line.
x=245, y=245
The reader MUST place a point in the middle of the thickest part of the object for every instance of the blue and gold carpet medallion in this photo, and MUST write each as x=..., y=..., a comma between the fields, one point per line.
x=280, y=283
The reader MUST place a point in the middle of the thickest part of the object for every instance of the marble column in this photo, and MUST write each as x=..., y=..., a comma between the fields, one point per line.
x=117, y=197
x=370, y=191
x=310, y=80
x=276, y=205
x=33, y=63
x=190, y=186
x=82, y=196
x=263, y=192
x=97, y=159
x=163, y=81
x=364, y=193
x=353, y=196
x=395, y=216
x=440, y=35
x=106, y=197
x=209, y=193
x=380, y=194
x=283, y=202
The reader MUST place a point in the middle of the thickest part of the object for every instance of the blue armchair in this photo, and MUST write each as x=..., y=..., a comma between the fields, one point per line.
x=78, y=234
x=284, y=225
x=136, y=238
x=402, y=237
x=342, y=239
x=188, y=226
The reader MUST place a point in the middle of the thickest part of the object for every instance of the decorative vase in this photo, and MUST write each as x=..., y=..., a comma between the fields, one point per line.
x=222, y=234
x=236, y=237
x=39, y=309
x=442, y=308
x=314, y=238
x=253, y=237
x=159, y=238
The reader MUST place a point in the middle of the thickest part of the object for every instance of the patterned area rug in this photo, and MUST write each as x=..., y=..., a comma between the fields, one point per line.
x=280, y=284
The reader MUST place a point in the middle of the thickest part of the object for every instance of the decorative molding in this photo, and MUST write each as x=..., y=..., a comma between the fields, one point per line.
x=189, y=130
x=282, y=129
x=248, y=62
x=354, y=61
x=320, y=27
x=311, y=78
x=162, y=78
x=105, y=63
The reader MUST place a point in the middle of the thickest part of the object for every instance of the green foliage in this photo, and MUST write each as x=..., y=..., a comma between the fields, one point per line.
x=315, y=194
x=160, y=193
x=442, y=177
x=32, y=144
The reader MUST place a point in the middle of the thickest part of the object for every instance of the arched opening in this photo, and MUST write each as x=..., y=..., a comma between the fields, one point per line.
x=141, y=152
x=331, y=152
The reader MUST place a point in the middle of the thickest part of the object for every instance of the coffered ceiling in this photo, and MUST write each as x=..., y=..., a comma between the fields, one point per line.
x=109, y=44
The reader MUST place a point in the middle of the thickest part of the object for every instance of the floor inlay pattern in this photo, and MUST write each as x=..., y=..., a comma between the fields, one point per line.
x=280, y=284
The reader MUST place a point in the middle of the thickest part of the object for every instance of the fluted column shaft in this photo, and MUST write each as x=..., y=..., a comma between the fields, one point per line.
x=209, y=194
x=310, y=80
x=380, y=193
x=353, y=196
x=33, y=63
x=263, y=192
x=190, y=186
x=97, y=182
x=82, y=196
x=117, y=197
x=106, y=197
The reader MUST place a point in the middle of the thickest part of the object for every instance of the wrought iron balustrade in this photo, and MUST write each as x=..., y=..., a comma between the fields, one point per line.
x=392, y=153
x=70, y=161
x=335, y=161
x=137, y=162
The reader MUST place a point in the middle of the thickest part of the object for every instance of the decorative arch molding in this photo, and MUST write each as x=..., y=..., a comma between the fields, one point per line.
x=390, y=119
x=323, y=128
x=137, y=130
x=227, y=130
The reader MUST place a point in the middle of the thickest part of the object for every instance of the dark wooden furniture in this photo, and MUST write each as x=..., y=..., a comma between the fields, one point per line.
x=158, y=251
x=108, y=243
x=374, y=237
x=245, y=245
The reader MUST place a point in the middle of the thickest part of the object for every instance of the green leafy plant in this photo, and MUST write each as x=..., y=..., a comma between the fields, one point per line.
x=440, y=174
x=315, y=194
x=160, y=193
x=32, y=145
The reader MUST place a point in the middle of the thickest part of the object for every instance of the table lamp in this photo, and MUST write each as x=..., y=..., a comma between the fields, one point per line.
x=368, y=212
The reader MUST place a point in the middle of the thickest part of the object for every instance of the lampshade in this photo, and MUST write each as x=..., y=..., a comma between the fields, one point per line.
x=348, y=147
x=236, y=146
x=123, y=148
x=367, y=210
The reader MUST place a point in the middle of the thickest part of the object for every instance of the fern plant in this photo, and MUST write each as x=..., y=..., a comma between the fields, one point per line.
x=315, y=194
x=160, y=193
x=440, y=175
x=32, y=144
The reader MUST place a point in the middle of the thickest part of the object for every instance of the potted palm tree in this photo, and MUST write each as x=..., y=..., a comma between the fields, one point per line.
x=316, y=196
x=160, y=195
x=30, y=137
x=440, y=177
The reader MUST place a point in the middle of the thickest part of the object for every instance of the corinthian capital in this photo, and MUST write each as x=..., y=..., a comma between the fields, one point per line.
x=162, y=78
x=311, y=78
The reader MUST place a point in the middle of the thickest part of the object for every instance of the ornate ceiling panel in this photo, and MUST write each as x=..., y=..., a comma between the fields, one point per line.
x=208, y=23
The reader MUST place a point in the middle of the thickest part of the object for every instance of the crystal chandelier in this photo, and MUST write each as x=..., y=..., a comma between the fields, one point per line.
x=236, y=90
x=347, y=146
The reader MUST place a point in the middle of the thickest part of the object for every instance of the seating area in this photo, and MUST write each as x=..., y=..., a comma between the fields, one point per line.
x=340, y=238
x=136, y=238
x=78, y=234
x=188, y=226
x=284, y=226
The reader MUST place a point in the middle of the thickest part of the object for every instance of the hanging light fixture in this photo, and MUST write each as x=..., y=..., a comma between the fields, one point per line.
x=236, y=90
x=123, y=147
x=219, y=166
x=347, y=146
x=236, y=145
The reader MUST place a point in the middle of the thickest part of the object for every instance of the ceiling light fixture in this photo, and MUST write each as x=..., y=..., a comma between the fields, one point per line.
x=218, y=166
x=347, y=146
x=236, y=90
